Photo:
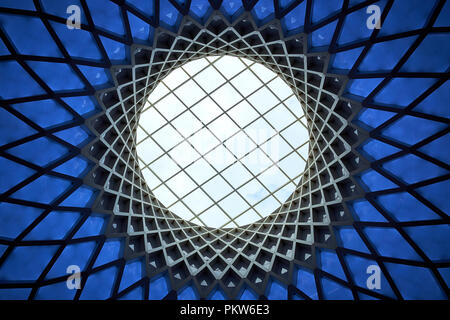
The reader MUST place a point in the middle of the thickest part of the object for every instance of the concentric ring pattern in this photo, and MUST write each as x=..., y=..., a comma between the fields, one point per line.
x=375, y=189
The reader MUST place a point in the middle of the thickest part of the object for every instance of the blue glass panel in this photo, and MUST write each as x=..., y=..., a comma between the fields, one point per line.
x=16, y=293
x=437, y=102
x=111, y=250
x=139, y=28
x=200, y=8
x=12, y=173
x=445, y=273
x=182, y=3
x=276, y=291
x=135, y=294
x=404, y=207
x=75, y=135
x=350, y=239
x=438, y=194
x=188, y=293
x=248, y=294
x=283, y=4
x=355, y=27
x=443, y=19
x=414, y=14
x=12, y=74
x=74, y=167
x=26, y=263
x=146, y=7
x=376, y=149
x=2, y=249
x=79, y=198
x=78, y=42
x=45, y=189
x=51, y=73
x=306, y=283
x=55, y=226
x=217, y=295
x=3, y=49
x=431, y=55
x=106, y=15
x=158, y=288
x=295, y=19
x=403, y=91
x=56, y=291
x=23, y=4
x=32, y=151
x=29, y=36
x=39, y=111
x=415, y=282
x=132, y=273
x=412, y=169
x=323, y=36
x=346, y=59
x=12, y=128
x=77, y=254
x=324, y=8
x=102, y=279
x=389, y=243
x=81, y=104
x=375, y=181
x=231, y=6
x=411, y=130
x=433, y=240
x=364, y=211
x=116, y=51
x=328, y=261
x=362, y=87
x=334, y=291
x=16, y=218
x=373, y=117
x=358, y=269
x=168, y=15
x=93, y=226
x=438, y=148
x=96, y=76
x=391, y=51
x=263, y=9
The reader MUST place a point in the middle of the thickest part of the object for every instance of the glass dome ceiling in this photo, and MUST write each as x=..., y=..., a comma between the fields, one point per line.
x=222, y=141
x=376, y=185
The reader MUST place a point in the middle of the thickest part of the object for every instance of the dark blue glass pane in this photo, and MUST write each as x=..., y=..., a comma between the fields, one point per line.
x=132, y=273
x=306, y=283
x=389, y=243
x=404, y=207
x=15, y=218
x=26, y=263
x=55, y=226
x=415, y=282
x=158, y=288
x=324, y=8
x=77, y=254
x=102, y=279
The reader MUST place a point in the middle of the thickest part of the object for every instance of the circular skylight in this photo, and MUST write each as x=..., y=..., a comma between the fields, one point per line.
x=222, y=141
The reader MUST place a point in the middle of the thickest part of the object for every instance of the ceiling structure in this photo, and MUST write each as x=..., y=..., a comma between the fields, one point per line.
x=222, y=141
x=375, y=187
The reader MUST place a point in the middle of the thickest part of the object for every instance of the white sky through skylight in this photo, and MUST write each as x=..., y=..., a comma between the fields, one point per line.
x=222, y=141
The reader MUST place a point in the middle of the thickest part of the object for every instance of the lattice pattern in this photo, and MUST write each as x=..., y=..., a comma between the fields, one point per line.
x=232, y=152
x=374, y=191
